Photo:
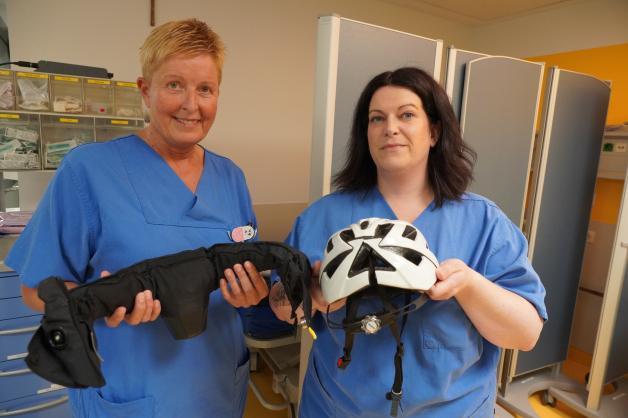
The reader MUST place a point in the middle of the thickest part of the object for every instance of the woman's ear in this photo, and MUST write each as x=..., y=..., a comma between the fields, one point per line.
x=144, y=86
x=435, y=131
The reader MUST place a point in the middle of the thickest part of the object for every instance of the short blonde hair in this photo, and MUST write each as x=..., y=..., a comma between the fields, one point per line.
x=189, y=37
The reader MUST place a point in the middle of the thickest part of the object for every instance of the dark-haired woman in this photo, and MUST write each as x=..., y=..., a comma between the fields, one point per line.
x=407, y=161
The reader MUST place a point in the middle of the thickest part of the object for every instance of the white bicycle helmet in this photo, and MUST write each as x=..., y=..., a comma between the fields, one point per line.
x=397, y=249
x=377, y=258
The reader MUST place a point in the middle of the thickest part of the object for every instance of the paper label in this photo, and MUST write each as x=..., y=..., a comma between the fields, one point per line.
x=31, y=75
x=126, y=84
x=103, y=82
x=64, y=78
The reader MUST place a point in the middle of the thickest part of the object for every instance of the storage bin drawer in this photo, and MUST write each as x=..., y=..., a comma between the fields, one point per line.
x=9, y=285
x=49, y=405
x=15, y=335
x=18, y=381
x=14, y=308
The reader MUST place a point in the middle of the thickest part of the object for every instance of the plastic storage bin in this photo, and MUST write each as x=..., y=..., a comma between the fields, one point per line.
x=66, y=93
x=32, y=91
x=7, y=90
x=61, y=134
x=127, y=100
x=19, y=141
x=107, y=128
x=98, y=96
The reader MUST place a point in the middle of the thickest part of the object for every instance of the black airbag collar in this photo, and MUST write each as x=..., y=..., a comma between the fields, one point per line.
x=64, y=349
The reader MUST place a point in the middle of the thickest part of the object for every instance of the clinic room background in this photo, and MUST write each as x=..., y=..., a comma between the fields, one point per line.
x=267, y=101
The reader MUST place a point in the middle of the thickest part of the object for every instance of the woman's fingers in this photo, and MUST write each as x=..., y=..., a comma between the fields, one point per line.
x=246, y=286
x=243, y=286
x=148, y=311
x=116, y=317
x=136, y=315
x=145, y=309
x=156, y=310
x=258, y=281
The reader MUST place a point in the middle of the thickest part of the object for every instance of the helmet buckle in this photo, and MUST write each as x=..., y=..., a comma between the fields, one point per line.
x=371, y=324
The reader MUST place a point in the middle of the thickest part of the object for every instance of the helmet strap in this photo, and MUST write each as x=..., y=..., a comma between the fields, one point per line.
x=351, y=309
x=352, y=327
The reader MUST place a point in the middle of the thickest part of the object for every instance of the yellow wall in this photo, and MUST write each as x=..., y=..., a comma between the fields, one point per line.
x=606, y=63
x=607, y=200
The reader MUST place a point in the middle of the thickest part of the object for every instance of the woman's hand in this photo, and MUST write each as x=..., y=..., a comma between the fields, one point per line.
x=243, y=286
x=145, y=309
x=452, y=277
x=318, y=301
x=280, y=304
x=32, y=300
x=501, y=316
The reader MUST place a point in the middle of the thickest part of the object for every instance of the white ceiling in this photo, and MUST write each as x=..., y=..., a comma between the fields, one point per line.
x=480, y=11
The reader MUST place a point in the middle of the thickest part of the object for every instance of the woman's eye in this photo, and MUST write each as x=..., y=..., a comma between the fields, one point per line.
x=173, y=85
x=205, y=90
x=407, y=115
x=376, y=119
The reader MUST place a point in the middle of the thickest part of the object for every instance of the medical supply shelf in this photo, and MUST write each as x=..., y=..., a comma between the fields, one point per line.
x=32, y=91
x=59, y=93
x=127, y=100
x=20, y=141
x=98, y=96
x=67, y=94
x=39, y=140
x=7, y=90
x=22, y=393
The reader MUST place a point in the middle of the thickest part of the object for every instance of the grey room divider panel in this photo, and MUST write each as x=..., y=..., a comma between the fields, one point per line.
x=609, y=362
x=617, y=359
x=575, y=113
x=457, y=60
x=498, y=119
x=349, y=54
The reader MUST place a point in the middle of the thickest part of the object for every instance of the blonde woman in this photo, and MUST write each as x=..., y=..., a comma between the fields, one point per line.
x=116, y=203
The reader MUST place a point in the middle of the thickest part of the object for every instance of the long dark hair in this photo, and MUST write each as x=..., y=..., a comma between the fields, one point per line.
x=450, y=161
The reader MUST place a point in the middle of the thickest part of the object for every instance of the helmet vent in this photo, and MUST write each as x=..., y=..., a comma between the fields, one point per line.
x=409, y=254
x=382, y=230
x=347, y=235
x=331, y=267
x=330, y=246
x=363, y=259
x=364, y=224
x=409, y=232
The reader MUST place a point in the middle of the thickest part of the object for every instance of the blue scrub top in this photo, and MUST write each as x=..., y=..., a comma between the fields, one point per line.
x=113, y=204
x=449, y=368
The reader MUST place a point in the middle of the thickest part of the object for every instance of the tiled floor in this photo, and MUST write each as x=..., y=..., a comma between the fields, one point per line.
x=575, y=367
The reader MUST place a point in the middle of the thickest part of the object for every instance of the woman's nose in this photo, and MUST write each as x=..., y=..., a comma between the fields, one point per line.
x=190, y=100
x=391, y=127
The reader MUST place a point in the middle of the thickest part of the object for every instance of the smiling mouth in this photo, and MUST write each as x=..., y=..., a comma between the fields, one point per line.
x=188, y=122
x=392, y=146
